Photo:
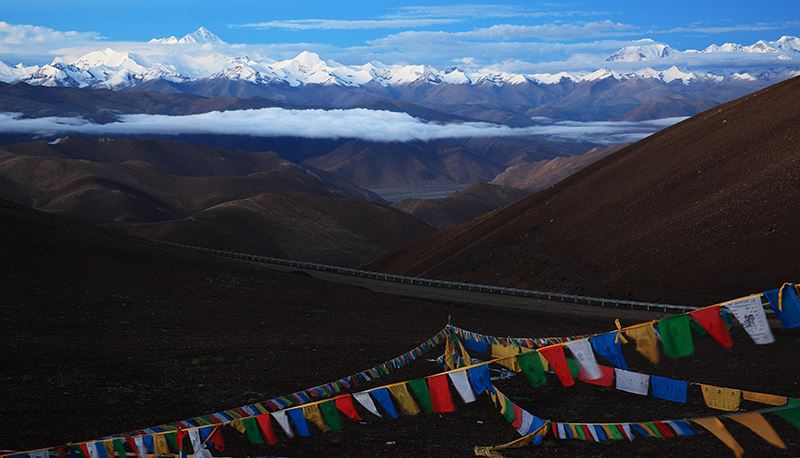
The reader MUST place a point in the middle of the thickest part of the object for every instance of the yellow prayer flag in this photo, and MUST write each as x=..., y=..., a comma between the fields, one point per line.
x=313, y=414
x=404, y=399
x=715, y=427
x=237, y=425
x=499, y=351
x=763, y=398
x=448, y=354
x=109, y=446
x=464, y=354
x=160, y=444
x=646, y=341
x=721, y=398
x=759, y=425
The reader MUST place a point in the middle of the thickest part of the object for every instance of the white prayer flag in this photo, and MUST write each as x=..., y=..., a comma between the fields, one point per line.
x=39, y=454
x=141, y=450
x=561, y=433
x=197, y=445
x=283, y=420
x=92, y=447
x=626, y=428
x=593, y=432
x=527, y=421
x=750, y=314
x=365, y=400
x=632, y=382
x=582, y=350
x=461, y=382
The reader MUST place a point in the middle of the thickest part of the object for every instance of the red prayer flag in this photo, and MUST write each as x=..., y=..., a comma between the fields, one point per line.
x=555, y=356
x=586, y=433
x=606, y=377
x=710, y=319
x=345, y=405
x=517, y=417
x=216, y=440
x=265, y=424
x=85, y=450
x=441, y=400
x=665, y=430
x=180, y=434
x=61, y=452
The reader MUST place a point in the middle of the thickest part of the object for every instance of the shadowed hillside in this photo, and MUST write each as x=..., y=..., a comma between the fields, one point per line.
x=701, y=210
x=248, y=201
x=462, y=206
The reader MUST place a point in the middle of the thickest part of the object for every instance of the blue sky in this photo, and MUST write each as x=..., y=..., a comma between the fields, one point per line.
x=438, y=33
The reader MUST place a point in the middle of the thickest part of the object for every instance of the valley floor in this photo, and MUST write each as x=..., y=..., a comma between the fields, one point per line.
x=103, y=333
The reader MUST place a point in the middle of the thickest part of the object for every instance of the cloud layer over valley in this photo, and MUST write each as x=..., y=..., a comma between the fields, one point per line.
x=359, y=123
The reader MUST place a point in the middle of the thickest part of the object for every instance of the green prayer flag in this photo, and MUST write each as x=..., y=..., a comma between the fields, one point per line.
x=790, y=415
x=676, y=336
x=574, y=367
x=331, y=415
x=252, y=430
x=509, y=413
x=614, y=432
x=579, y=430
x=652, y=427
x=119, y=447
x=420, y=389
x=531, y=365
x=172, y=441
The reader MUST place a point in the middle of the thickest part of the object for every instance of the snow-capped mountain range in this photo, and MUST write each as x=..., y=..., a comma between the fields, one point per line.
x=201, y=55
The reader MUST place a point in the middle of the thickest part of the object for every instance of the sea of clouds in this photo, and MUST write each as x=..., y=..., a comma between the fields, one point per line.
x=358, y=123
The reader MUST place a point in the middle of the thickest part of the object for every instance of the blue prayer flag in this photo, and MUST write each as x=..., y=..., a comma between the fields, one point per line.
x=669, y=389
x=789, y=314
x=299, y=421
x=605, y=346
x=382, y=396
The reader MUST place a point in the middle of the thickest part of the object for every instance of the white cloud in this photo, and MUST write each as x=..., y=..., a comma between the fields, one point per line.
x=485, y=11
x=342, y=24
x=33, y=40
x=555, y=30
x=372, y=125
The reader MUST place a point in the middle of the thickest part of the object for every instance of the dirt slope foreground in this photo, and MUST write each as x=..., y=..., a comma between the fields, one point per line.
x=102, y=333
x=703, y=210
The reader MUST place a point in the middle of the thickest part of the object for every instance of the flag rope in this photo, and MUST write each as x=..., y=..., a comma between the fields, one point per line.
x=443, y=332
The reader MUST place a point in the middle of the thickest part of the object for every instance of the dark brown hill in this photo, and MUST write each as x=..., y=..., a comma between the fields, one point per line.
x=280, y=209
x=539, y=175
x=701, y=210
x=461, y=206
x=333, y=230
x=105, y=333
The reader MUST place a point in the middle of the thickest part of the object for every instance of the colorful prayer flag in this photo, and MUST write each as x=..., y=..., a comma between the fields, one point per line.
x=711, y=320
x=582, y=350
x=676, y=336
x=719, y=398
x=606, y=346
x=750, y=314
x=715, y=427
x=758, y=424
x=404, y=399
x=382, y=396
x=420, y=389
x=441, y=400
x=785, y=304
x=669, y=389
x=555, y=357
x=463, y=388
x=632, y=382
x=531, y=365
